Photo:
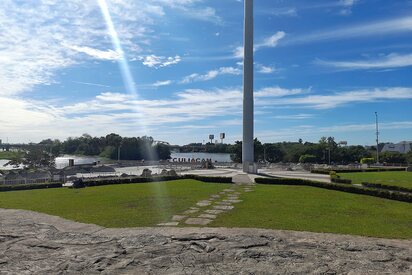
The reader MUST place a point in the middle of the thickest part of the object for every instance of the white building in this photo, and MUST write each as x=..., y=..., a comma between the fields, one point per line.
x=402, y=147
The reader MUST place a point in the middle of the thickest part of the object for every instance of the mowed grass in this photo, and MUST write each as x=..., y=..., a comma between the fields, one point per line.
x=398, y=178
x=319, y=210
x=128, y=205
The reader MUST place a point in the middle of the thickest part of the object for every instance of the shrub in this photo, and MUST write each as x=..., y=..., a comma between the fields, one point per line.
x=209, y=179
x=387, y=187
x=367, y=161
x=327, y=171
x=18, y=187
x=338, y=187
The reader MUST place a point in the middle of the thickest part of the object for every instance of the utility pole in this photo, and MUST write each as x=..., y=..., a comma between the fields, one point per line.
x=248, y=109
x=377, y=138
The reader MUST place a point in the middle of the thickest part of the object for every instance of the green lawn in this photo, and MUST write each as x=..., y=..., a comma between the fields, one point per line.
x=269, y=206
x=128, y=205
x=403, y=179
x=9, y=154
x=319, y=210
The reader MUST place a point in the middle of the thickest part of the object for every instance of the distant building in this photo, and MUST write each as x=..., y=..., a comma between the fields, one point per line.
x=401, y=147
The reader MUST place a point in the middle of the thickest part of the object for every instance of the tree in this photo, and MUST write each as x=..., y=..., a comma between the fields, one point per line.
x=392, y=157
x=34, y=157
x=409, y=157
x=273, y=152
x=307, y=159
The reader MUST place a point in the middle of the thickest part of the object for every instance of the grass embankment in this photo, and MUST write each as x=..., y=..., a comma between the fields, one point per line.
x=10, y=154
x=131, y=205
x=318, y=210
x=402, y=179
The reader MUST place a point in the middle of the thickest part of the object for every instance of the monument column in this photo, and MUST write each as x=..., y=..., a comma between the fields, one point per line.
x=247, y=144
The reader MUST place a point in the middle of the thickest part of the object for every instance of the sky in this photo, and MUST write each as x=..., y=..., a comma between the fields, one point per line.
x=172, y=69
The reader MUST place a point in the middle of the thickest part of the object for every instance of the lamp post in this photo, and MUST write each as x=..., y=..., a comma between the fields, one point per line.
x=247, y=144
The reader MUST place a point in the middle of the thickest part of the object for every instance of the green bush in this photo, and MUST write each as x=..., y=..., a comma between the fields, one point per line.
x=111, y=181
x=209, y=179
x=327, y=171
x=387, y=187
x=367, y=161
x=18, y=187
x=338, y=187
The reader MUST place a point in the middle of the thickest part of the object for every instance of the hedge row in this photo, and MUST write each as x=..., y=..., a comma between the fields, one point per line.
x=17, y=187
x=327, y=171
x=113, y=181
x=339, y=180
x=209, y=179
x=387, y=187
x=339, y=187
x=100, y=182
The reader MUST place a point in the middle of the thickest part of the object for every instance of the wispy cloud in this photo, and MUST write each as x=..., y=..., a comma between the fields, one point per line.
x=211, y=74
x=124, y=113
x=268, y=42
x=91, y=84
x=317, y=131
x=153, y=61
x=96, y=53
x=390, y=61
x=162, y=83
x=35, y=35
x=384, y=27
x=350, y=97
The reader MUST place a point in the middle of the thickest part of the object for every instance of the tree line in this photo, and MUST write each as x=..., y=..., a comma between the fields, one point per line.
x=110, y=146
x=325, y=150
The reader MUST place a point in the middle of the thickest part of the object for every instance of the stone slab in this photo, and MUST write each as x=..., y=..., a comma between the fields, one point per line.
x=168, y=224
x=178, y=218
x=203, y=203
x=190, y=211
x=233, y=201
x=198, y=221
x=214, y=211
x=208, y=216
x=223, y=207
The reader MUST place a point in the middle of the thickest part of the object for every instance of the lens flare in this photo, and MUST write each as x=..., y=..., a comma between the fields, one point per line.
x=127, y=76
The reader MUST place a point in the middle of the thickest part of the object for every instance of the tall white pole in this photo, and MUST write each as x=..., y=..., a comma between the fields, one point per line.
x=247, y=145
x=377, y=138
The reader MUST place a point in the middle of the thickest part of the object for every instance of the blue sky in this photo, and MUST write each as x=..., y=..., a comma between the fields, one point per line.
x=173, y=69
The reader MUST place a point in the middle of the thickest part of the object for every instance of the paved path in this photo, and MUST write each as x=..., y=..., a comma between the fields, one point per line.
x=205, y=211
x=33, y=243
x=296, y=175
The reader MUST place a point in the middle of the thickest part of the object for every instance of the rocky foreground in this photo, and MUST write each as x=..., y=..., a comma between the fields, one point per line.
x=33, y=243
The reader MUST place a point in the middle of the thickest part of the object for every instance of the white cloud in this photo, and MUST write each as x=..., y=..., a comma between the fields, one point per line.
x=350, y=97
x=271, y=41
x=153, y=61
x=294, y=117
x=211, y=75
x=265, y=69
x=384, y=27
x=308, y=131
x=162, y=83
x=35, y=35
x=386, y=62
x=26, y=120
x=98, y=54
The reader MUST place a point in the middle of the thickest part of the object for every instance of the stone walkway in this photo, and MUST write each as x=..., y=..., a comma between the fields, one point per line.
x=205, y=211
x=34, y=243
